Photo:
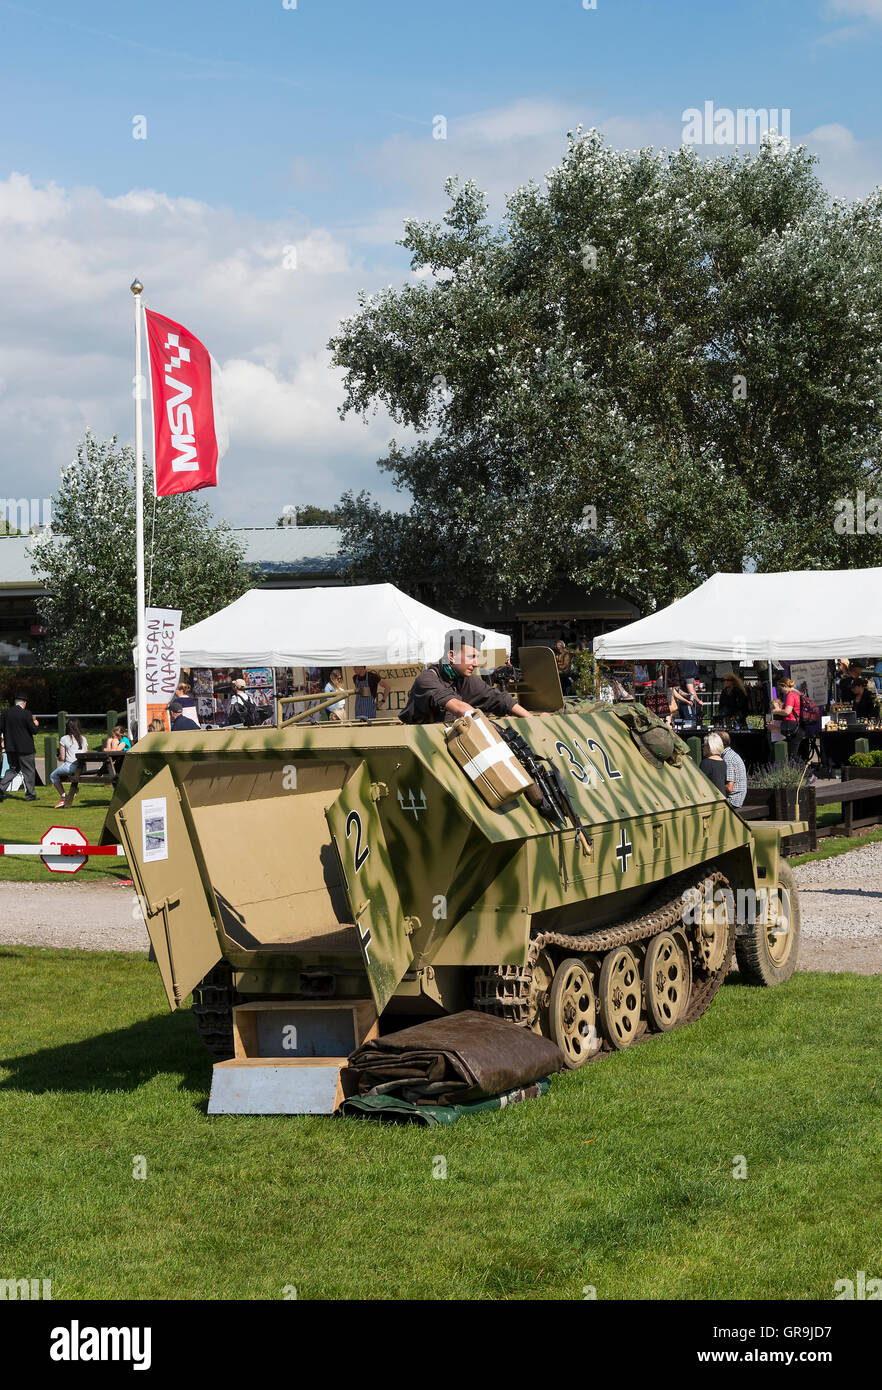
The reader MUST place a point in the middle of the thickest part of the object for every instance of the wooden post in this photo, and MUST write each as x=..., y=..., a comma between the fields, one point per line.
x=62, y=720
x=695, y=747
x=112, y=719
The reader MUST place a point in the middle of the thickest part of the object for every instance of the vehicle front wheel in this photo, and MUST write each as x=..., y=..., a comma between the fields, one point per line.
x=767, y=950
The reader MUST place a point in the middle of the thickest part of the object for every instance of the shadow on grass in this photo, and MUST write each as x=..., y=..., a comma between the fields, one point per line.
x=119, y=1061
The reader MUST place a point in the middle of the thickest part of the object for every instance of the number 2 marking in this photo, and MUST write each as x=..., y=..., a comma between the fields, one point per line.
x=592, y=744
x=360, y=854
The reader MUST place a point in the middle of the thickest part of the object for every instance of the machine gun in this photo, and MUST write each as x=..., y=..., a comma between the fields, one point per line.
x=554, y=801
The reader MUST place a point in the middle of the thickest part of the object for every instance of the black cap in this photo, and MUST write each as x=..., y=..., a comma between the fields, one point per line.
x=459, y=637
x=22, y=697
x=175, y=707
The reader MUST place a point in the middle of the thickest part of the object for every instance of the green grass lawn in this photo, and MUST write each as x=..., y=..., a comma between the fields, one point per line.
x=838, y=844
x=25, y=822
x=621, y=1178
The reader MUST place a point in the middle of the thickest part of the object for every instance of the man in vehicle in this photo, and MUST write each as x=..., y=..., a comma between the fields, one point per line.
x=449, y=687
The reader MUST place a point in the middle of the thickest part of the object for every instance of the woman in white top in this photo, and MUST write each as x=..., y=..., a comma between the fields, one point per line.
x=74, y=742
x=336, y=711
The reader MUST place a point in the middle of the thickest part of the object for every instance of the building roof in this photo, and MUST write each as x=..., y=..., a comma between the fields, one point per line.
x=301, y=550
x=270, y=551
x=15, y=564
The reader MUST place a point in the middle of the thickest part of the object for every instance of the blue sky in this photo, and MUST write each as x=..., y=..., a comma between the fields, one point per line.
x=312, y=127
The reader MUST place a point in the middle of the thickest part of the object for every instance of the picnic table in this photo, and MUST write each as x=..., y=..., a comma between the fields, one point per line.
x=107, y=763
x=857, y=794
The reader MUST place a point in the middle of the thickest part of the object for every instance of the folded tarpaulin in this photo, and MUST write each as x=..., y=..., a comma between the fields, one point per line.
x=451, y=1061
x=386, y=1107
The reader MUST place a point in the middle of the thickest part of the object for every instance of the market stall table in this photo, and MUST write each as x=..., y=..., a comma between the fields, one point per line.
x=837, y=745
x=752, y=745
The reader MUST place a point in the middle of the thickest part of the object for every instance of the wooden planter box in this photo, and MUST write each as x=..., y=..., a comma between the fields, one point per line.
x=780, y=803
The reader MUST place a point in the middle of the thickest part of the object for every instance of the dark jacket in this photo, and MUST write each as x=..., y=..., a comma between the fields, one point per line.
x=182, y=724
x=18, y=727
x=715, y=769
x=430, y=692
x=866, y=707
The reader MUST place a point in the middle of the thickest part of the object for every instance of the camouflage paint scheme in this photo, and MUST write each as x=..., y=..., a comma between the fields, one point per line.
x=432, y=879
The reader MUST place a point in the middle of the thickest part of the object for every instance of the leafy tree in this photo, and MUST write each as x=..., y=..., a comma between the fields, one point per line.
x=87, y=561
x=655, y=368
x=309, y=515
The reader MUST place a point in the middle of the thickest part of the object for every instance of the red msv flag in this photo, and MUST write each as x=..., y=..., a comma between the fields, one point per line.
x=189, y=430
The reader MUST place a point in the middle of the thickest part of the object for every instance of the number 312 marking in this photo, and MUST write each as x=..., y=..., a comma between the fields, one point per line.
x=578, y=769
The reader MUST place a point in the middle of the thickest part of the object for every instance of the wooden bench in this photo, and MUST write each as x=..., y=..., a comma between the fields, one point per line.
x=855, y=794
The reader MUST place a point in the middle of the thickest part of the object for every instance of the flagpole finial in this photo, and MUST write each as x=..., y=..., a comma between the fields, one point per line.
x=136, y=287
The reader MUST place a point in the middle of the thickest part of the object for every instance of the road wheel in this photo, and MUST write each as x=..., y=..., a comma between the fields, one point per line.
x=667, y=981
x=768, y=950
x=572, y=1013
x=620, y=997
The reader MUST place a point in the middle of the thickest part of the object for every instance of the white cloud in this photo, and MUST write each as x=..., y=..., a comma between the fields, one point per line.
x=500, y=149
x=862, y=9
x=869, y=11
x=23, y=205
x=849, y=167
x=67, y=257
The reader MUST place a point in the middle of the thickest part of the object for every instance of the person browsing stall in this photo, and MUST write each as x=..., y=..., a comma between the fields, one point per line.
x=736, y=772
x=367, y=684
x=336, y=711
x=734, y=703
x=449, y=687
x=712, y=764
x=179, y=722
x=863, y=700
x=791, y=704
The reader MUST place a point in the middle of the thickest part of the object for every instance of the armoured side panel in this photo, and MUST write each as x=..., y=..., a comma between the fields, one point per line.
x=369, y=881
x=176, y=911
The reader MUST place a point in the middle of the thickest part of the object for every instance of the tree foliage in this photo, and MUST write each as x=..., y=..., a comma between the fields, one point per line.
x=686, y=350
x=310, y=515
x=87, y=561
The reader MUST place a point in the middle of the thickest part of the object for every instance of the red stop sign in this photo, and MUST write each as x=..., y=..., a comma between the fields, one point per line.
x=60, y=843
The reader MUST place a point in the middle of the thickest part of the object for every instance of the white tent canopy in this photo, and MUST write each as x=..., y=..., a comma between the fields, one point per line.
x=369, y=624
x=796, y=615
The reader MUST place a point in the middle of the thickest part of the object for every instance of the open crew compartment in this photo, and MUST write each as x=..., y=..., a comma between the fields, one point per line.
x=271, y=863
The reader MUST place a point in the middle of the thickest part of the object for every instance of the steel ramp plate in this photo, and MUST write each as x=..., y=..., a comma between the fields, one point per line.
x=276, y=1086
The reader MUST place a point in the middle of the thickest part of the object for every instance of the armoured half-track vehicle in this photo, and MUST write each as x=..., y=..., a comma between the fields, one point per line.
x=360, y=865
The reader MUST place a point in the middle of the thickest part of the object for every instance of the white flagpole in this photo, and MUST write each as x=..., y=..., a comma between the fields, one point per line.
x=141, y=648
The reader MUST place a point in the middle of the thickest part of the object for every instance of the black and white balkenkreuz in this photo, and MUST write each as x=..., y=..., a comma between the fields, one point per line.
x=624, y=850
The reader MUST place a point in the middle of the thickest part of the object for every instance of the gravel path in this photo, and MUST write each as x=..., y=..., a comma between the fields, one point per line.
x=841, y=901
x=93, y=918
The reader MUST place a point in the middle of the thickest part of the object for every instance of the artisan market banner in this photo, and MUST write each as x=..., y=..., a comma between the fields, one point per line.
x=163, y=631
